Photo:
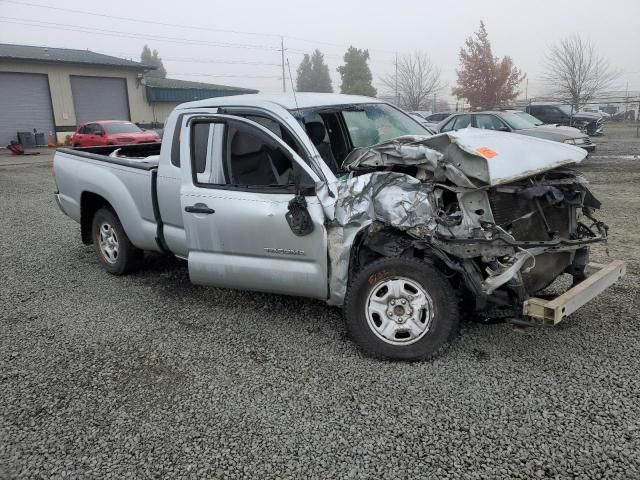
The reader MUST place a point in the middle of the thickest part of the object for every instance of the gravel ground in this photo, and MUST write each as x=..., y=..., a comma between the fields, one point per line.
x=148, y=375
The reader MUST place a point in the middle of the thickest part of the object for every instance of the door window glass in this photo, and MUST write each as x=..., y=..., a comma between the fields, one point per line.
x=255, y=159
x=461, y=121
x=489, y=122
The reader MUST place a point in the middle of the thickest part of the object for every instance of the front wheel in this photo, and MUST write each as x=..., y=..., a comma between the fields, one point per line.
x=401, y=308
x=116, y=252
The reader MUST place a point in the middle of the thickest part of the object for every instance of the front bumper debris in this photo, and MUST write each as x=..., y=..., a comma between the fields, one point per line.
x=600, y=277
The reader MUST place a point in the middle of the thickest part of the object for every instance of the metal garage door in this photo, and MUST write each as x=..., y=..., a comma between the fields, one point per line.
x=25, y=104
x=99, y=98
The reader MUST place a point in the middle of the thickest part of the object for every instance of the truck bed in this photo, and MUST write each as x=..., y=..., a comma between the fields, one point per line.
x=122, y=176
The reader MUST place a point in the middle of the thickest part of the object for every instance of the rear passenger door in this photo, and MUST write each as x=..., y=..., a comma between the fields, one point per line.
x=238, y=179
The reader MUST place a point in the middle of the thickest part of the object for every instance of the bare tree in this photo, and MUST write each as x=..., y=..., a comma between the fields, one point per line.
x=416, y=81
x=575, y=72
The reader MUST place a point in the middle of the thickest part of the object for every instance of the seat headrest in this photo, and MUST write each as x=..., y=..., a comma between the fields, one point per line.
x=316, y=132
x=243, y=143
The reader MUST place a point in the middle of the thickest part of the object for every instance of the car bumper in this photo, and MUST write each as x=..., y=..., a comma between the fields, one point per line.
x=588, y=148
x=599, y=278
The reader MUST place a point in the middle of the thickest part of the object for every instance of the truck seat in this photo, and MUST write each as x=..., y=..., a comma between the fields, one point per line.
x=250, y=161
x=317, y=132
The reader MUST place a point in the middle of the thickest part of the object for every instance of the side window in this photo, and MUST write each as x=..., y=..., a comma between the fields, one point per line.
x=175, y=142
x=202, y=136
x=206, y=148
x=485, y=122
x=462, y=121
x=252, y=158
x=489, y=122
x=557, y=113
x=278, y=130
x=449, y=125
x=82, y=130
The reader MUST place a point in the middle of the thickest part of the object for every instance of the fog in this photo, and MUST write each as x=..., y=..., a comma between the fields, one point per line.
x=209, y=52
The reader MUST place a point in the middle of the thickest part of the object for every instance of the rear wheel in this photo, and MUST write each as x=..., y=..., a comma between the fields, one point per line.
x=116, y=252
x=401, y=308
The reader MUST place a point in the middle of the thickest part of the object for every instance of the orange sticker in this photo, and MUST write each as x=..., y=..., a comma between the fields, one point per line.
x=486, y=152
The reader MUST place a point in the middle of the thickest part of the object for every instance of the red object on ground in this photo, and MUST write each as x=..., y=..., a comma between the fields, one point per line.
x=111, y=132
x=15, y=148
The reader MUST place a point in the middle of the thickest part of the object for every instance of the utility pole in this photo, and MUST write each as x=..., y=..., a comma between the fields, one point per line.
x=526, y=90
x=284, y=79
x=397, y=96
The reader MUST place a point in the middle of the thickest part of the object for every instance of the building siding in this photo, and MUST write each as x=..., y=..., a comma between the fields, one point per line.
x=62, y=97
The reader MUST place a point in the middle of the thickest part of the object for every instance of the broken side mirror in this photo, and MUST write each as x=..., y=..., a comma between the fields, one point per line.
x=298, y=216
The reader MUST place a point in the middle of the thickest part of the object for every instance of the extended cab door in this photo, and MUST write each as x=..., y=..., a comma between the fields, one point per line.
x=238, y=179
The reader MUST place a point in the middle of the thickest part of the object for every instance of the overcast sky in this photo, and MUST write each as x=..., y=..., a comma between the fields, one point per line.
x=523, y=30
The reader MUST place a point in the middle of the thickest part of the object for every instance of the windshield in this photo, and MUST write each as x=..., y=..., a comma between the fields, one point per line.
x=121, y=127
x=530, y=118
x=515, y=121
x=566, y=109
x=369, y=123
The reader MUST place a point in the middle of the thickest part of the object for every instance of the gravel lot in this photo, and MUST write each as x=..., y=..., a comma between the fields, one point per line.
x=147, y=375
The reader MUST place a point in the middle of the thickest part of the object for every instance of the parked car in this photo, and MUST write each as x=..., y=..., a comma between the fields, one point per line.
x=111, y=132
x=575, y=132
x=511, y=122
x=437, y=117
x=557, y=114
x=250, y=190
x=428, y=126
x=421, y=113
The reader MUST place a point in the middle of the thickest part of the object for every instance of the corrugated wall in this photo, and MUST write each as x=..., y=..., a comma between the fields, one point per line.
x=61, y=96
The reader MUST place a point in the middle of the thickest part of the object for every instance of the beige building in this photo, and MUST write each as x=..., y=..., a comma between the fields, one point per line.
x=54, y=89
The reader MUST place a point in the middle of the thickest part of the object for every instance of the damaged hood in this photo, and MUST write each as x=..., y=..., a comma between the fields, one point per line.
x=469, y=157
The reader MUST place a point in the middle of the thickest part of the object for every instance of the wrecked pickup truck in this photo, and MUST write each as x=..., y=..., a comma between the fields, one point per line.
x=349, y=200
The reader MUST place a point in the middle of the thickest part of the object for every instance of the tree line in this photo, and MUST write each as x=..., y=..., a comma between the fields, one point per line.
x=574, y=73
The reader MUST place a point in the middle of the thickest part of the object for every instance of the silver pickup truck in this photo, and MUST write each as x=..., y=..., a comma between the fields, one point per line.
x=349, y=200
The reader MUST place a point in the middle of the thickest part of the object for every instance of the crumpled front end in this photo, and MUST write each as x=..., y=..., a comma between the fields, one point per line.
x=502, y=215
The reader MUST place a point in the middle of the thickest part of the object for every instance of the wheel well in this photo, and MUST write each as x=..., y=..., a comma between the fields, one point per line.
x=90, y=203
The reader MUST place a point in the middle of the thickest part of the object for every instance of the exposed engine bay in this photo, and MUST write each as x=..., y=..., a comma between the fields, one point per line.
x=502, y=216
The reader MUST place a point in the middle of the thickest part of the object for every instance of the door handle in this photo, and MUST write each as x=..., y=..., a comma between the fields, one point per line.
x=199, y=208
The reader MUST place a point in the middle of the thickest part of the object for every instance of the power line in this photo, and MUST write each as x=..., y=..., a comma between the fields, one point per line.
x=150, y=22
x=197, y=60
x=110, y=33
x=223, y=75
x=192, y=27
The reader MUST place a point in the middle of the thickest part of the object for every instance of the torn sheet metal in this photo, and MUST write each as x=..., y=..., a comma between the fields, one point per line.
x=390, y=198
x=470, y=154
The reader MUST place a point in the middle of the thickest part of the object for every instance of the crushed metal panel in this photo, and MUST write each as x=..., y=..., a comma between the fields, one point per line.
x=511, y=157
x=470, y=154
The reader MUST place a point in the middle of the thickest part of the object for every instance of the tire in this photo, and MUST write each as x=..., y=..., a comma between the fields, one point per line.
x=419, y=303
x=115, y=251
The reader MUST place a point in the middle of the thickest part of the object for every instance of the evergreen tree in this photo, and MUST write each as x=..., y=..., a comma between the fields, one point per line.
x=355, y=73
x=313, y=74
x=147, y=57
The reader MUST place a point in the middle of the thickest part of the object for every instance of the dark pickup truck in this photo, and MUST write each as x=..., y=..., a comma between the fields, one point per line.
x=552, y=113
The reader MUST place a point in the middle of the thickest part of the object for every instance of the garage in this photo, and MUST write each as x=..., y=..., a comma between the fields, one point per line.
x=99, y=98
x=25, y=104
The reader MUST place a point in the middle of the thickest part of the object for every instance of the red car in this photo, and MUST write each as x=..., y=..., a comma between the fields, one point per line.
x=111, y=132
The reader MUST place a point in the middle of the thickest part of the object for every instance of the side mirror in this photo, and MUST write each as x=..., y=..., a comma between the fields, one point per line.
x=504, y=129
x=298, y=216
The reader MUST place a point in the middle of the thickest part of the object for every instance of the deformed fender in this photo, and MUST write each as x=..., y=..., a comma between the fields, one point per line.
x=390, y=198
